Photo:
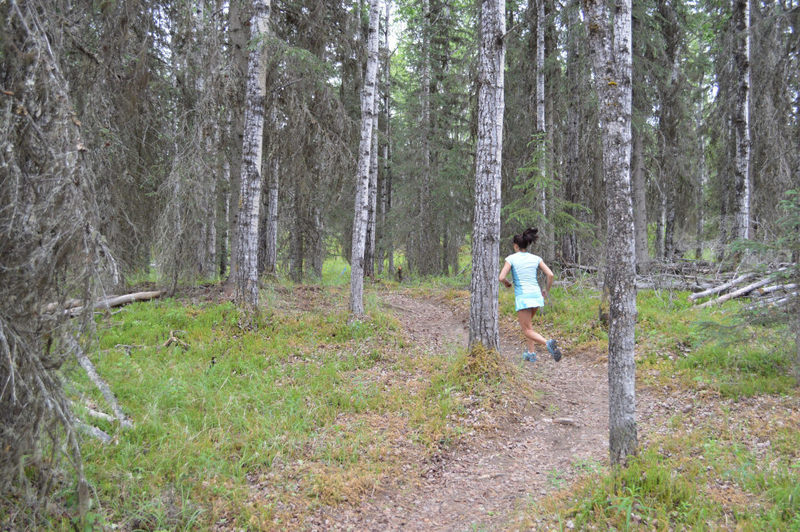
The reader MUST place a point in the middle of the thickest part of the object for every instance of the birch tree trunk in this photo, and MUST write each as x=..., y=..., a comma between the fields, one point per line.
x=361, y=214
x=541, y=124
x=741, y=118
x=483, y=318
x=246, y=279
x=384, y=245
x=238, y=38
x=610, y=48
x=369, y=254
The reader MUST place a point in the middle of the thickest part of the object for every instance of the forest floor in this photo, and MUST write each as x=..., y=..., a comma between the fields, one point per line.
x=540, y=440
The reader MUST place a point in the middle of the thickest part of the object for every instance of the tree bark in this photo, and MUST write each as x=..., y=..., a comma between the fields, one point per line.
x=741, y=118
x=610, y=48
x=239, y=39
x=541, y=124
x=639, y=206
x=271, y=252
x=369, y=254
x=246, y=275
x=484, y=286
x=361, y=214
x=569, y=242
x=384, y=244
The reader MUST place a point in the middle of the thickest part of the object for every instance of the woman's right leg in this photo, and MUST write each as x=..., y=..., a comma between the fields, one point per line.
x=525, y=316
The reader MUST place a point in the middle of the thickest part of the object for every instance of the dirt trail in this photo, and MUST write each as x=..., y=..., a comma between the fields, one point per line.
x=478, y=484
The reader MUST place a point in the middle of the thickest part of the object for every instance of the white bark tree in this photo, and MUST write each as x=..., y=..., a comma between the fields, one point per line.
x=384, y=242
x=372, y=204
x=238, y=39
x=246, y=280
x=484, y=286
x=741, y=118
x=361, y=211
x=609, y=25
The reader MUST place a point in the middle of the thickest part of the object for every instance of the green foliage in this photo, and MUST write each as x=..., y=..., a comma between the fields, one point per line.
x=527, y=192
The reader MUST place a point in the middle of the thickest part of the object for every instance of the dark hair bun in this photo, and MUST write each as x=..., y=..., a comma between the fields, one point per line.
x=530, y=235
x=527, y=238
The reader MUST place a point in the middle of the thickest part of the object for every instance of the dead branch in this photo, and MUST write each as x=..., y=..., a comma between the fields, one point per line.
x=736, y=293
x=173, y=339
x=98, y=381
x=720, y=288
x=91, y=430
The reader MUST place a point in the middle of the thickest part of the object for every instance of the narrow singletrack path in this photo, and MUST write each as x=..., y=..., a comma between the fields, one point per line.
x=479, y=483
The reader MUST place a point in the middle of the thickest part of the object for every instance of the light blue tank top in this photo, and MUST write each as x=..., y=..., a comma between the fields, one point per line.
x=524, y=267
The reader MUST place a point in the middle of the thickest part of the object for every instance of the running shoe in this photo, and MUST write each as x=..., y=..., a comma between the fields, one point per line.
x=552, y=346
x=529, y=357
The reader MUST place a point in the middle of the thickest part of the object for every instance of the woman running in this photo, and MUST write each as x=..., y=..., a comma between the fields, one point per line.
x=527, y=293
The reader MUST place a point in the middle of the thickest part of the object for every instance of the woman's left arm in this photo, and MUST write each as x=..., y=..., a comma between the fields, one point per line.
x=504, y=273
x=549, y=273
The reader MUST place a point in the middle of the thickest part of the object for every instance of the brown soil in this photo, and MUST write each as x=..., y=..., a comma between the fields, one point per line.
x=489, y=474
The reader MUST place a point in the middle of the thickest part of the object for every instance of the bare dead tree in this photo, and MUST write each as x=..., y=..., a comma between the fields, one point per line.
x=50, y=250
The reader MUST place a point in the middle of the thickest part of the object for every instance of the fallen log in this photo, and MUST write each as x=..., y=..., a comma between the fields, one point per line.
x=118, y=301
x=98, y=381
x=736, y=293
x=720, y=288
x=777, y=287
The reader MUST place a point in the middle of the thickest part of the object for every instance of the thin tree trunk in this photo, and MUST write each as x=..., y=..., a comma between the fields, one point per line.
x=239, y=39
x=639, y=205
x=569, y=243
x=246, y=288
x=700, y=199
x=387, y=250
x=484, y=286
x=297, y=242
x=271, y=252
x=741, y=118
x=611, y=56
x=550, y=47
x=223, y=227
x=541, y=124
x=369, y=254
x=361, y=214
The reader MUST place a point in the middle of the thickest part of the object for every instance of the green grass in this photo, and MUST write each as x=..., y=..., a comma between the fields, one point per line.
x=245, y=428
x=304, y=410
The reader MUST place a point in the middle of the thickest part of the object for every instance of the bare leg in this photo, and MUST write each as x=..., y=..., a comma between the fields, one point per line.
x=531, y=337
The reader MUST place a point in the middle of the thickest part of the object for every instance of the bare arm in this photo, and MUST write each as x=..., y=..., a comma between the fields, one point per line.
x=549, y=273
x=504, y=273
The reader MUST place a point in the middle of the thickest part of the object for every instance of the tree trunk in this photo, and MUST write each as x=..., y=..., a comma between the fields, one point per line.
x=369, y=254
x=239, y=39
x=246, y=287
x=700, y=200
x=741, y=118
x=541, y=124
x=639, y=206
x=611, y=56
x=361, y=214
x=297, y=242
x=223, y=227
x=271, y=251
x=384, y=244
x=483, y=318
x=569, y=242
x=551, y=77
